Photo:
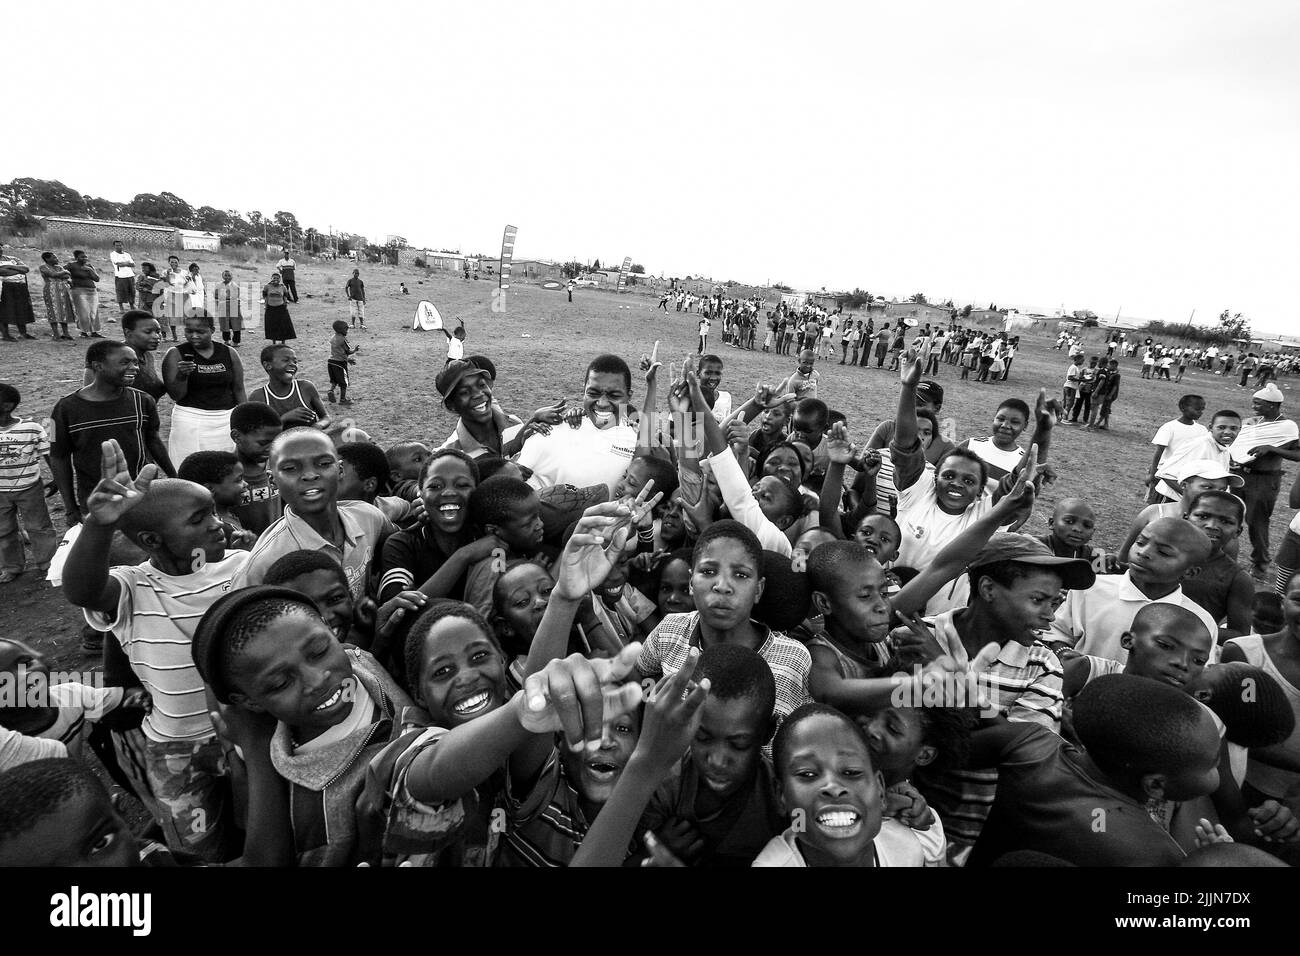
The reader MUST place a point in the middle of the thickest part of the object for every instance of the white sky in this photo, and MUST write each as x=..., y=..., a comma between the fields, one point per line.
x=1115, y=154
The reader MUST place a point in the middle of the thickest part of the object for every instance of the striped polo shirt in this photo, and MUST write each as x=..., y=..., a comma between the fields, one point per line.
x=21, y=446
x=154, y=622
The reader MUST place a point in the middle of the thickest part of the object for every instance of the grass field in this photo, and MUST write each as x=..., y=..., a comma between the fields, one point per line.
x=541, y=344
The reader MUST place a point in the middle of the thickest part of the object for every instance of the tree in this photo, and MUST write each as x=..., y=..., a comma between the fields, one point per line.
x=44, y=197
x=104, y=209
x=919, y=298
x=165, y=207
x=1233, y=325
x=572, y=269
x=595, y=266
x=965, y=311
x=212, y=219
x=637, y=268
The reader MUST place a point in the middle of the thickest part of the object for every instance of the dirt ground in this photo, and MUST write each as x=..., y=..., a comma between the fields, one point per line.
x=541, y=344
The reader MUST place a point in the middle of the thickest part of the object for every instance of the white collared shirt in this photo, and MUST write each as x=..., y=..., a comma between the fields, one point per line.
x=1093, y=621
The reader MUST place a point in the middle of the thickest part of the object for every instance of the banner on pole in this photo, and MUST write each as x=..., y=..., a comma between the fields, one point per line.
x=622, y=273
x=507, y=255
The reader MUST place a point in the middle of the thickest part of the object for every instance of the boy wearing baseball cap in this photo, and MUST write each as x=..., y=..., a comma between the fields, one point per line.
x=1195, y=478
x=1264, y=442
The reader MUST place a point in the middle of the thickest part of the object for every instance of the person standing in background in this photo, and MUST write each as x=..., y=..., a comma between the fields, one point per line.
x=123, y=277
x=286, y=265
x=85, y=294
x=15, y=297
x=356, y=293
x=58, y=296
x=175, y=302
x=226, y=304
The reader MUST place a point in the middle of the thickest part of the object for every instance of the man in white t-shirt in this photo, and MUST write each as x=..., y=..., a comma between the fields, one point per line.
x=598, y=449
x=123, y=277
x=1178, y=442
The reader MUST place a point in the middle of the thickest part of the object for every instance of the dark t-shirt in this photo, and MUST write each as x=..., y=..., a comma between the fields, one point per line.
x=356, y=290
x=417, y=554
x=83, y=277
x=1212, y=585
x=81, y=426
x=211, y=386
x=260, y=505
x=736, y=832
x=1047, y=802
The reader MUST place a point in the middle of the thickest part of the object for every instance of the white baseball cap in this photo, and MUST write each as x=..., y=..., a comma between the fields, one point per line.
x=1210, y=469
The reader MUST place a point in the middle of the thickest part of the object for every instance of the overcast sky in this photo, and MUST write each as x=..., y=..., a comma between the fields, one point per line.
x=1115, y=155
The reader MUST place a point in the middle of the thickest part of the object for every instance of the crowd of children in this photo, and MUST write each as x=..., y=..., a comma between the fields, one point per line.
x=693, y=633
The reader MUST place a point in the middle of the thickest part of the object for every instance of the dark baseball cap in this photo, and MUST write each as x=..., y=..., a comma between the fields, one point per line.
x=929, y=391
x=1076, y=573
x=453, y=375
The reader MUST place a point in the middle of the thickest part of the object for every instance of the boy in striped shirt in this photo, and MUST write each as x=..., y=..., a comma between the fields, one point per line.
x=22, y=446
x=152, y=609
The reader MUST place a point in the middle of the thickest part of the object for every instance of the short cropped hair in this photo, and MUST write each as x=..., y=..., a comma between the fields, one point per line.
x=1016, y=404
x=1133, y=725
x=1252, y=705
x=1226, y=413
x=663, y=474
x=734, y=672
x=133, y=317
x=295, y=564
x=369, y=461
x=208, y=467
x=835, y=561
x=1238, y=506
x=781, y=743
x=35, y=791
x=1187, y=400
x=814, y=407
x=968, y=455
x=490, y=502
x=250, y=416
x=9, y=395
x=413, y=650
x=268, y=352
x=732, y=530
x=440, y=453
x=609, y=365
x=101, y=350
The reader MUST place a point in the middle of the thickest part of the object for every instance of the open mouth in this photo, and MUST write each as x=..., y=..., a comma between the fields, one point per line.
x=312, y=494
x=602, y=771
x=474, y=704
x=331, y=700
x=839, y=823
x=449, y=510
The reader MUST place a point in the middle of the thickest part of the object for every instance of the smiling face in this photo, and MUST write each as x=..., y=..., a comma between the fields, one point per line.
x=329, y=592
x=1224, y=428
x=603, y=395
x=595, y=774
x=1026, y=607
x=283, y=365
x=296, y=671
x=727, y=745
x=522, y=593
x=710, y=376
x=472, y=398
x=228, y=493
x=957, y=484
x=1008, y=423
x=1269, y=410
x=880, y=536
x=306, y=471
x=828, y=783
x=633, y=480
x=462, y=673
x=725, y=583
x=446, y=492
x=773, y=497
x=118, y=369
x=806, y=359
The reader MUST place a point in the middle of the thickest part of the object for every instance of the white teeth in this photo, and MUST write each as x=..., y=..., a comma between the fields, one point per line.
x=449, y=509
x=471, y=704
x=333, y=699
x=838, y=818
